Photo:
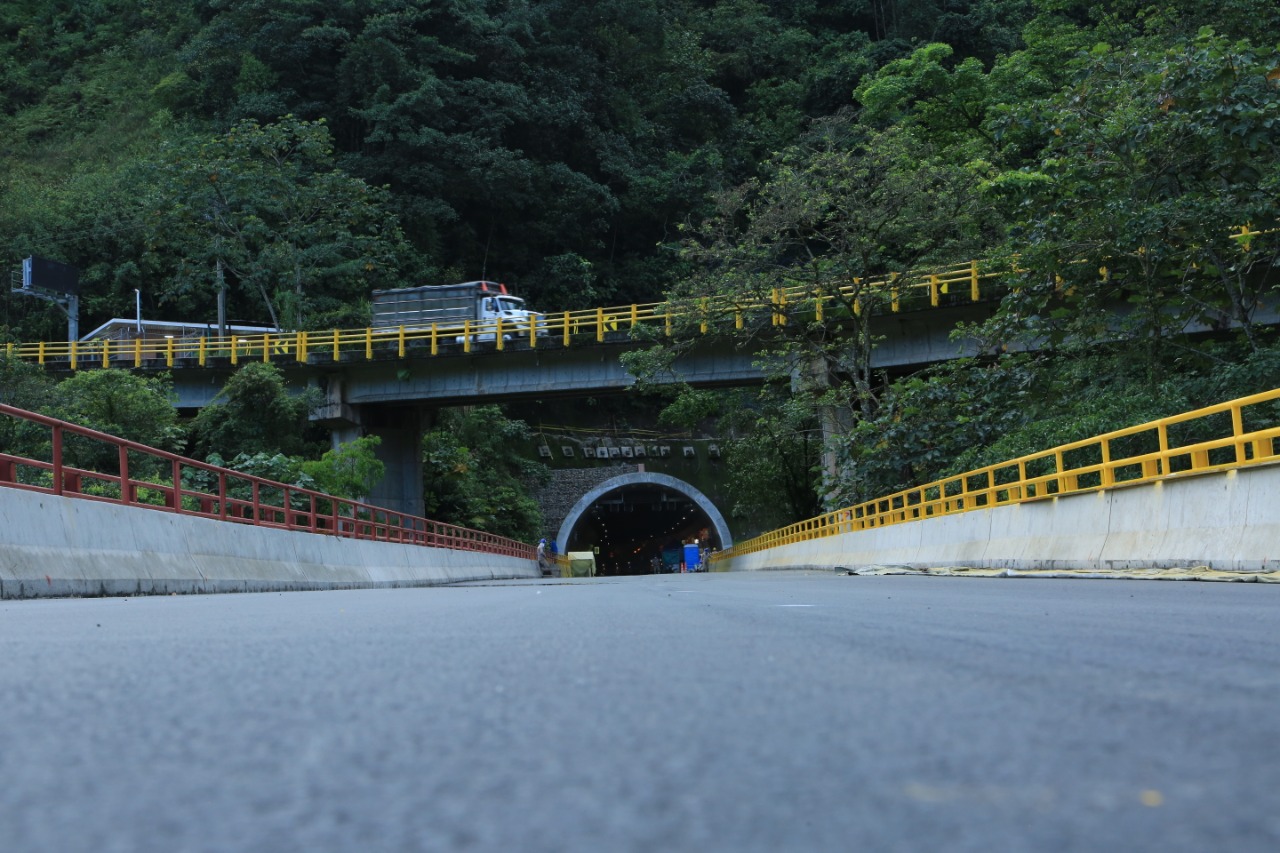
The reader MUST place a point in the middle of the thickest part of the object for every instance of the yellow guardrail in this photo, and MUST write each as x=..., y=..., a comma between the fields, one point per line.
x=966, y=282
x=1234, y=434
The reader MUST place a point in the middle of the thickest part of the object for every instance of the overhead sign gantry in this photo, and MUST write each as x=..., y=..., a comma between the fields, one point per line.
x=56, y=282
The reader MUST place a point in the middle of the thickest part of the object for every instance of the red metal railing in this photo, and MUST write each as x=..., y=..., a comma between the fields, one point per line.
x=116, y=470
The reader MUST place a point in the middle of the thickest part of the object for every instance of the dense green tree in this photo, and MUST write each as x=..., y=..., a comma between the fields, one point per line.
x=350, y=470
x=255, y=413
x=1156, y=154
x=265, y=204
x=848, y=208
x=773, y=450
x=475, y=479
x=121, y=404
x=23, y=386
x=550, y=145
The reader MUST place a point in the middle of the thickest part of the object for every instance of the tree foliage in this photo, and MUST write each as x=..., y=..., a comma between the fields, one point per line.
x=118, y=403
x=254, y=413
x=265, y=206
x=1154, y=156
x=475, y=479
x=350, y=470
x=23, y=386
x=550, y=145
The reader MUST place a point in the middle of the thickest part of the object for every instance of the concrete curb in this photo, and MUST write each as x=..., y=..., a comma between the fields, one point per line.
x=53, y=546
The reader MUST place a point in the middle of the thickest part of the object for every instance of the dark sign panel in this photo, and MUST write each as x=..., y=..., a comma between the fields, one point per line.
x=44, y=274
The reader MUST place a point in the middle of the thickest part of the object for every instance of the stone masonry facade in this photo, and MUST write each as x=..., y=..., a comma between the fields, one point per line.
x=567, y=486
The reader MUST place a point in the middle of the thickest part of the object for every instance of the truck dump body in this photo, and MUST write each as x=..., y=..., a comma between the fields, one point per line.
x=419, y=307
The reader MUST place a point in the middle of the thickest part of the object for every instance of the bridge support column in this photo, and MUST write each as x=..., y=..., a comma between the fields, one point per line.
x=401, y=429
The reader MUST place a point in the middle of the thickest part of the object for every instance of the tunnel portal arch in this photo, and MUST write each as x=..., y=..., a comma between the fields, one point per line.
x=643, y=478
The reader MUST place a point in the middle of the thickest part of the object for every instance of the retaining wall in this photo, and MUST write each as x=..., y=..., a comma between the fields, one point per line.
x=1228, y=521
x=56, y=546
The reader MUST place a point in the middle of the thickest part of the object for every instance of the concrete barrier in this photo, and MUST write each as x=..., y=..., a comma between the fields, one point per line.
x=56, y=546
x=1227, y=521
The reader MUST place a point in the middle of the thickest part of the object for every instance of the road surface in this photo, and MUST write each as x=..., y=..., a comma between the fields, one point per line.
x=789, y=711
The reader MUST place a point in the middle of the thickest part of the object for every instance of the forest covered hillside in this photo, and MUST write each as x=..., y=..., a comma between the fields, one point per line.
x=322, y=149
x=611, y=151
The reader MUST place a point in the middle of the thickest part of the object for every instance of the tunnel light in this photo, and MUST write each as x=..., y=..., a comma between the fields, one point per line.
x=664, y=450
x=567, y=450
x=589, y=452
x=544, y=451
x=688, y=452
x=713, y=450
x=639, y=450
x=628, y=452
x=615, y=452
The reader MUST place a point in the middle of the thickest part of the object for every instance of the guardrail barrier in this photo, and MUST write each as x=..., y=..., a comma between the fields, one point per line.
x=78, y=462
x=1234, y=434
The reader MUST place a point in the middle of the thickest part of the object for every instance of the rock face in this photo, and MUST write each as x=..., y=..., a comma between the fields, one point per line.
x=567, y=486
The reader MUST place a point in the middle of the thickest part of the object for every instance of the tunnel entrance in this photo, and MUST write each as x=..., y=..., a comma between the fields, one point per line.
x=638, y=523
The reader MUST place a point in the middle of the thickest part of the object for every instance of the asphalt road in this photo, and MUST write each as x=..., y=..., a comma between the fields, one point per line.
x=724, y=712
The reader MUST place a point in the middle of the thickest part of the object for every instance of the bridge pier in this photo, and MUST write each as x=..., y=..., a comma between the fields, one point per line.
x=400, y=427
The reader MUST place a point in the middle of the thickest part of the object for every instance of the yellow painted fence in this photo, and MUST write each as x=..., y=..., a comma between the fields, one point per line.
x=1229, y=435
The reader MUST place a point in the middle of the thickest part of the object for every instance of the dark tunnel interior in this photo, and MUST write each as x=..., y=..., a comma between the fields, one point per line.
x=642, y=529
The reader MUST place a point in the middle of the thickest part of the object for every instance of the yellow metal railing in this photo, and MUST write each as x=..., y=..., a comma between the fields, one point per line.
x=1234, y=434
x=970, y=281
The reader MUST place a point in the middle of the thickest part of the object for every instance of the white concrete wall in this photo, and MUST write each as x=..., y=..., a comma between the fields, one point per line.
x=54, y=546
x=1228, y=521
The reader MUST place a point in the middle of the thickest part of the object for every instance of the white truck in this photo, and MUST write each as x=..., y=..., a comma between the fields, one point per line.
x=482, y=307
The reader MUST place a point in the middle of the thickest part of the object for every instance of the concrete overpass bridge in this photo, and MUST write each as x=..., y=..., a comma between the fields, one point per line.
x=388, y=382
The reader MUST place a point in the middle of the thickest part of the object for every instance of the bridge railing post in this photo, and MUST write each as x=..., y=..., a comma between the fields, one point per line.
x=1237, y=430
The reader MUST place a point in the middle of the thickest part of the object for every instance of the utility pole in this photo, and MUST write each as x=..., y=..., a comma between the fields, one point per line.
x=222, y=302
